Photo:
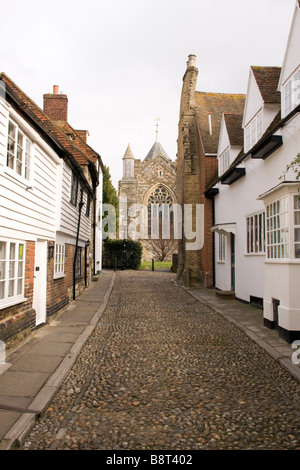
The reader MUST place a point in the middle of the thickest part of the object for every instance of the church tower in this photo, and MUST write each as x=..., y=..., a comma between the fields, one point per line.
x=146, y=183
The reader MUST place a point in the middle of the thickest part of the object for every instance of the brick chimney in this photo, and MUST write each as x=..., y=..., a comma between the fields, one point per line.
x=56, y=105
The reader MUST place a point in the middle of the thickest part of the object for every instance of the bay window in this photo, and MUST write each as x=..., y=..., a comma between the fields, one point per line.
x=278, y=229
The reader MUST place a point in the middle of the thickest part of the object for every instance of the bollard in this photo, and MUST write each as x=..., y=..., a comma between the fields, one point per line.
x=153, y=265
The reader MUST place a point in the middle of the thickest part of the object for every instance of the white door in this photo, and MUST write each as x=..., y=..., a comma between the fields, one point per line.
x=40, y=282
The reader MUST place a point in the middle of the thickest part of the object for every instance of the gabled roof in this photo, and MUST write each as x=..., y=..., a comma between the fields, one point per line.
x=156, y=149
x=214, y=105
x=234, y=128
x=77, y=151
x=267, y=79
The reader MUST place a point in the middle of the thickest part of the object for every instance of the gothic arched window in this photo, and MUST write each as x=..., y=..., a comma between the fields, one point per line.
x=160, y=213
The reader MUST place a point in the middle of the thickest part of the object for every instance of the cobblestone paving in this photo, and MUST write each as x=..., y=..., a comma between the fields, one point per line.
x=162, y=371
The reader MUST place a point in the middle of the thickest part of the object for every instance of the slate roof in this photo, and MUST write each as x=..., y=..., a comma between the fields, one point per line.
x=156, y=149
x=215, y=104
x=267, y=79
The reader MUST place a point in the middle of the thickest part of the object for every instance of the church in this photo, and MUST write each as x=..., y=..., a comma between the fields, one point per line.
x=147, y=193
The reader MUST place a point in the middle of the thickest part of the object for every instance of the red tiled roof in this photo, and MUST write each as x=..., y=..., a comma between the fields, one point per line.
x=267, y=79
x=234, y=128
x=77, y=149
x=215, y=104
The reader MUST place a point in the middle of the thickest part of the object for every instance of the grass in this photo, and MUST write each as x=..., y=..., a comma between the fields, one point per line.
x=157, y=265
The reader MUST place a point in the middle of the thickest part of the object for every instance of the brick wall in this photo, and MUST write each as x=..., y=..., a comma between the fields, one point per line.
x=56, y=107
x=18, y=321
x=194, y=172
x=60, y=290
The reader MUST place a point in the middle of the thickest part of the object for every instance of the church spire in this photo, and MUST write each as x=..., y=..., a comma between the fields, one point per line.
x=128, y=164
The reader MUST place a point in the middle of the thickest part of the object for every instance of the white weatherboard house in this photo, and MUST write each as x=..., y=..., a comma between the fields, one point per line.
x=50, y=207
x=257, y=211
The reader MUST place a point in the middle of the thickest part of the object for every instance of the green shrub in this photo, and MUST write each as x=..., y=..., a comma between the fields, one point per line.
x=122, y=254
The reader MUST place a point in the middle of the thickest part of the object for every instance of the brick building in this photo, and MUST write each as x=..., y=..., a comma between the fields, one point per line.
x=50, y=197
x=197, y=166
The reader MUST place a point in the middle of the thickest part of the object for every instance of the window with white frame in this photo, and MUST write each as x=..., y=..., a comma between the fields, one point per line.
x=292, y=93
x=12, y=272
x=297, y=225
x=222, y=241
x=256, y=233
x=224, y=161
x=59, y=260
x=253, y=131
x=278, y=229
x=18, y=151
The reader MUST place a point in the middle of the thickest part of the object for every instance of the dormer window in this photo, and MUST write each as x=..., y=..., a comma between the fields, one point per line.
x=224, y=161
x=292, y=93
x=253, y=131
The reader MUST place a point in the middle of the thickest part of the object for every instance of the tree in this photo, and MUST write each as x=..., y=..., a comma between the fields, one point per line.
x=295, y=167
x=161, y=248
x=110, y=196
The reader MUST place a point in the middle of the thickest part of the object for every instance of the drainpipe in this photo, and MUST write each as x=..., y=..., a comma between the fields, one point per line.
x=77, y=238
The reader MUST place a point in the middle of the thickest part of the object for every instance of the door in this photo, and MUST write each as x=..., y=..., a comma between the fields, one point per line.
x=40, y=282
x=232, y=238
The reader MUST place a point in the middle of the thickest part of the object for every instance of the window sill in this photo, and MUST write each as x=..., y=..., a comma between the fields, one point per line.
x=9, y=303
x=20, y=179
x=282, y=261
x=255, y=254
x=59, y=276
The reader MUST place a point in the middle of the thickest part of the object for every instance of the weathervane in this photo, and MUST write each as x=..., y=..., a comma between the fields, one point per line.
x=157, y=124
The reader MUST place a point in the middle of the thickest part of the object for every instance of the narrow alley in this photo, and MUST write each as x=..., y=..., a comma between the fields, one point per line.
x=163, y=371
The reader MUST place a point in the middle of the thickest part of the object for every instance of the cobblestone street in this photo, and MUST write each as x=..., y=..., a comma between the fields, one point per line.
x=163, y=371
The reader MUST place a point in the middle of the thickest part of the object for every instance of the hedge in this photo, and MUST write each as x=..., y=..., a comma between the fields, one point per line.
x=122, y=254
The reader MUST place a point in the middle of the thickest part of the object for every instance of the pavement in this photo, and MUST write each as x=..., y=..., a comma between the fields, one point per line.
x=33, y=373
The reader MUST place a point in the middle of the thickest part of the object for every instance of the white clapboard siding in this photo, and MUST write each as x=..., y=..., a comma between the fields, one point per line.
x=69, y=214
x=28, y=208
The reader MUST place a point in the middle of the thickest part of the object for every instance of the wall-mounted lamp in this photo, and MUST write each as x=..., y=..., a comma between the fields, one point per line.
x=50, y=250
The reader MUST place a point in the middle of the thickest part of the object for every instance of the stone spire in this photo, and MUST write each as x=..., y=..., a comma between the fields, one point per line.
x=128, y=164
x=128, y=154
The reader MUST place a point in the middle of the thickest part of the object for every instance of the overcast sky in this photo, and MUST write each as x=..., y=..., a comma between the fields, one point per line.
x=121, y=62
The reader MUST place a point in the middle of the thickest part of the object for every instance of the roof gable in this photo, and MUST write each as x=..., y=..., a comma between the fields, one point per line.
x=209, y=110
x=292, y=52
x=234, y=128
x=156, y=149
x=267, y=81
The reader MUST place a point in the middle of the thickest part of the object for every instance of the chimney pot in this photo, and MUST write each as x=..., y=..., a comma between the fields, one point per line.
x=55, y=89
x=192, y=61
